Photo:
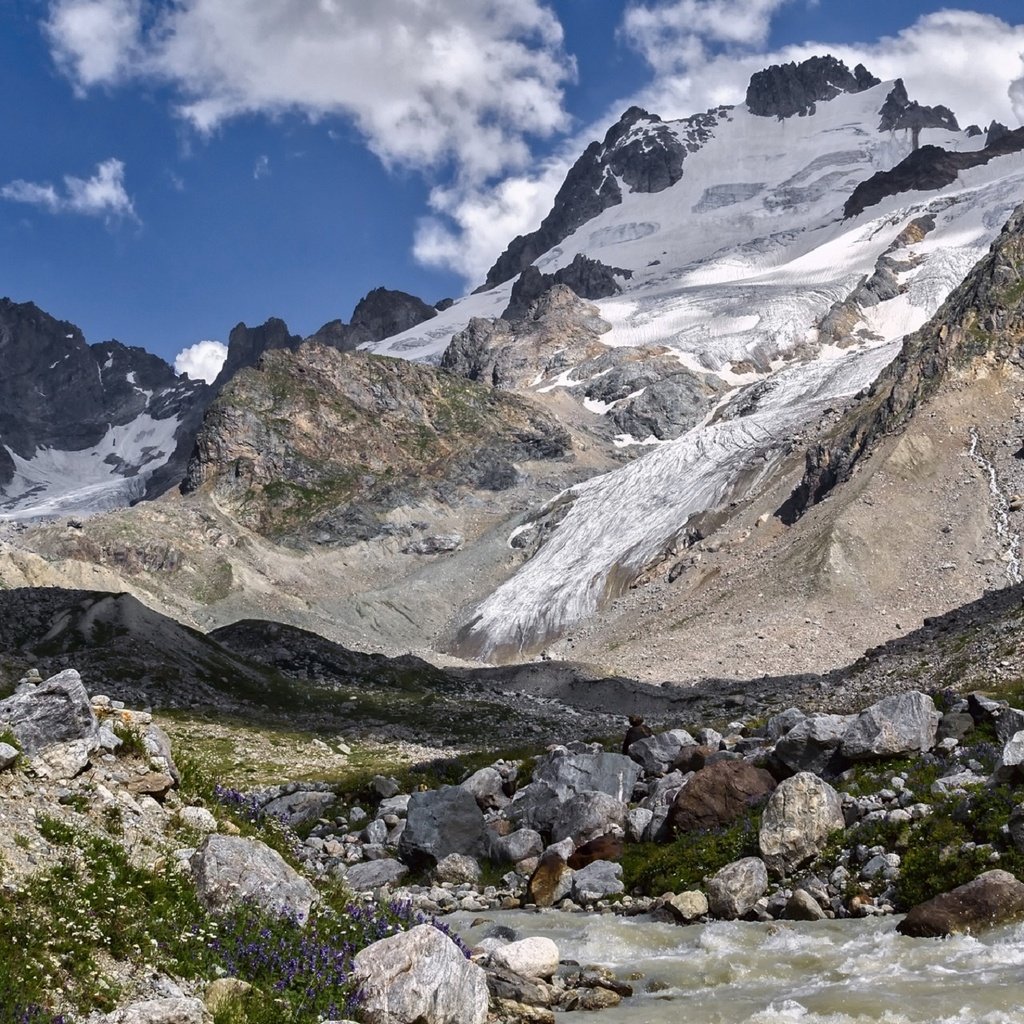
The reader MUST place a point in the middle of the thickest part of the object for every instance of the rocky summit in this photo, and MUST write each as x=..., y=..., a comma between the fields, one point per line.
x=437, y=667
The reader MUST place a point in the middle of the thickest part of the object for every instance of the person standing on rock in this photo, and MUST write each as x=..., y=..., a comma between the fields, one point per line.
x=636, y=731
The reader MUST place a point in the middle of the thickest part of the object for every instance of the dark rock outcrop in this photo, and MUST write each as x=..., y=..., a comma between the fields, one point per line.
x=247, y=344
x=440, y=822
x=991, y=899
x=900, y=112
x=589, y=279
x=783, y=90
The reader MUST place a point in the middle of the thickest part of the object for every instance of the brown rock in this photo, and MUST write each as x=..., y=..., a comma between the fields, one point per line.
x=606, y=847
x=154, y=784
x=992, y=899
x=718, y=795
x=691, y=759
x=510, y=1010
x=636, y=731
x=550, y=882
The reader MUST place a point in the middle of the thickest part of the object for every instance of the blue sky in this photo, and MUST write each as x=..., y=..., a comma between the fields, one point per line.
x=171, y=169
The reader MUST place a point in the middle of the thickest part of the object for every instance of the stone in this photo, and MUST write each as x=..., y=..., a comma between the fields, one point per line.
x=812, y=745
x=687, y=906
x=692, y=759
x=605, y=847
x=8, y=756
x=55, y=712
x=1010, y=767
x=719, y=794
x=439, y=822
x=63, y=760
x=108, y=739
x=535, y=957
x=230, y=869
x=173, y=1010
x=198, y=818
x=457, y=868
x=637, y=821
x=588, y=815
x=154, y=784
x=992, y=899
x=372, y=874
x=798, y=819
x=902, y=724
x=384, y=786
x=802, y=906
x=569, y=773
x=637, y=730
x=520, y=1013
x=592, y=999
x=486, y=785
x=656, y=753
x=300, y=807
x=375, y=833
x=598, y=880
x=222, y=992
x=550, y=881
x=419, y=977
x=516, y=846
x=511, y=987
x=778, y=725
x=954, y=725
x=398, y=805
x=734, y=890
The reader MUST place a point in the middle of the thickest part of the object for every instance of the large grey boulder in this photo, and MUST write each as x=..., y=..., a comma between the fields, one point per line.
x=516, y=846
x=1007, y=720
x=737, y=887
x=812, y=745
x=372, y=874
x=902, y=724
x=587, y=815
x=656, y=753
x=439, y=822
x=992, y=899
x=300, y=807
x=1010, y=767
x=172, y=1010
x=486, y=785
x=230, y=869
x=537, y=807
x=568, y=773
x=419, y=977
x=56, y=711
x=598, y=880
x=798, y=819
x=778, y=725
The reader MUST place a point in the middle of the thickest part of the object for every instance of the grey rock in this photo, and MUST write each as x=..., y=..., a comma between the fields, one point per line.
x=516, y=846
x=798, y=819
x=533, y=957
x=587, y=815
x=783, y=90
x=372, y=874
x=57, y=711
x=569, y=773
x=8, y=756
x=1010, y=767
x=439, y=822
x=420, y=977
x=687, y=906
x=457, y=868
x=598, y=880
x=172, y=1010
x=734, y=890
x=375, y=832
x=656, y=753
x=300, y=807
x=778, y=725
x=230, y=869
x=902, y=724
x=437, y=545
x=802, y=906
x=486, y=787
x=394, y=805
x=637, y=820
x=813, y=744
x=384, y=786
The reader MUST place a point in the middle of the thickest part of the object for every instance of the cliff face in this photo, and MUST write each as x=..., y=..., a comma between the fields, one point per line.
x=982, y=319
x=324, y=444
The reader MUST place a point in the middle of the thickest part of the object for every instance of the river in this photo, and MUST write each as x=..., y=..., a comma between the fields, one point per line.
x=828, y=972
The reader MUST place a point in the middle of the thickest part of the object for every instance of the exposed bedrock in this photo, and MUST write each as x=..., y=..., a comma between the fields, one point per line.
x=589, y=279
x=783, y=90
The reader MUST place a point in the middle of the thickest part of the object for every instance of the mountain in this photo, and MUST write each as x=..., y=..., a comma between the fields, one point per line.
x=712, y=321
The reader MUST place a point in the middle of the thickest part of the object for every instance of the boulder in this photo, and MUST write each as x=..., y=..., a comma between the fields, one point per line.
x=535, y=957
x=902, y=724
x=812, y=745
x=372, y=874
x=516, y=846
x=798, y=819
x=587, y=815
x=606, y=847
x=718, y=795
x=692, y=759
x=598, y=880
x=569, y=773
x=991, y=899
x=397, y=805
x=56, y=711
x=954, y=725
x=515, y=994
x=778, y=725
x=638, y=819
x=419, y=977
x=802, y=906
x=656, y=753
x=687, y=906
x=486, y=785
x=737, y=887
x=439, y=822
x=300, y=807
x=1010, y=767
x=8, y=756
x=230, y=869
x=550, y=881
x=457, y=868
x=199, y=818
x=172, y=1010
x=637, y=731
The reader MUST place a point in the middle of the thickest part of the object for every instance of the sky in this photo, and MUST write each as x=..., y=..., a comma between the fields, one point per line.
x=173, y=167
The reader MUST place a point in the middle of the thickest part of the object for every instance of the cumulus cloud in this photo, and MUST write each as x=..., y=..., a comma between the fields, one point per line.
x=201, y=361
x=102, y=195
x=458, y=84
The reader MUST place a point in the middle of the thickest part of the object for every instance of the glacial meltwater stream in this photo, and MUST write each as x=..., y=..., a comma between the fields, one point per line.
x=829, y=972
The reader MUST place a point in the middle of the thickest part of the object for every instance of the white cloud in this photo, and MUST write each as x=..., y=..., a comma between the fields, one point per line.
x=202, y=361
x=457, y=84
x=102, y=195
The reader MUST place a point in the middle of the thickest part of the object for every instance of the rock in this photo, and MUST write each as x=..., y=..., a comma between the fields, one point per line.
x=599, y=879
x=513, y=1012
x=902, y=724
x=516, y=846
x=550, y=881
x=656, y=753
x=606, y=847
x=198, y=818
x=384, y=786
x=398, y=805
x=778, y=725
x=954, y=725
x=439, y=822
x=1010, y=767
x=535, y=957
x=56, y=711
x=375, y=833
x=108, y=739
x=457, y=868
x=991, y=899
x=687, y=906
x=512, y=988
x=637, y=821
x=419, y=977
x=300, y=807
x=737, y=887
x=486, y=785
x=438, y=545
x=692, y=759
x=587, y=815
x=783, y=90
x=222, y=992
x=813, y=744
x=802, y=906
x=637, y=731
x=63, y=760
x=8, y=756
x=230, y=869
x=154, y=784
x=174, y=1010
x=570, y=773
x=798, y=819
x=719, y=794
x=372, y=874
